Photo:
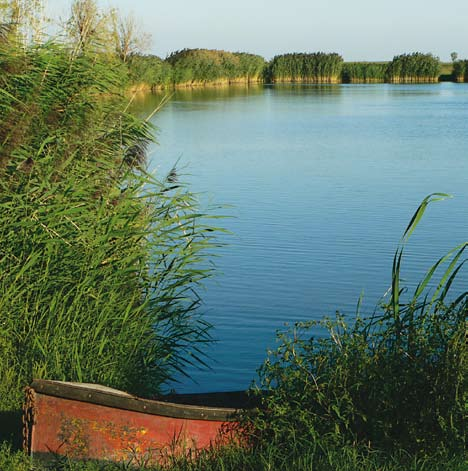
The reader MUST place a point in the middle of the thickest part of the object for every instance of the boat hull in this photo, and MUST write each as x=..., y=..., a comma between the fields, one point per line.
x=85, y=422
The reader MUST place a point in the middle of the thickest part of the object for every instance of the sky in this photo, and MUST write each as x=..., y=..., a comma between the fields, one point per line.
x=357, y=29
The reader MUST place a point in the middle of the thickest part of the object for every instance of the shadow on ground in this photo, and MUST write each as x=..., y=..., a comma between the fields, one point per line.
x=11, y=428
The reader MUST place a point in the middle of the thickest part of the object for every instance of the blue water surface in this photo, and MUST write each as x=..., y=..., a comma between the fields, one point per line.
x=321, y=181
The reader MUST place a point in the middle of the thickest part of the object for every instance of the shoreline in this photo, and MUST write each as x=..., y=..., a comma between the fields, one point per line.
x=143, y=88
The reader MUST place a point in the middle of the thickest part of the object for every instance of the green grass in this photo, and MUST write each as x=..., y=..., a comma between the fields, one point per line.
x=267, y=459
x=446, y=68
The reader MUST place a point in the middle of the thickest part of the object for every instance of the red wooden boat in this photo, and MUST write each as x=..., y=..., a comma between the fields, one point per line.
x=87, y=421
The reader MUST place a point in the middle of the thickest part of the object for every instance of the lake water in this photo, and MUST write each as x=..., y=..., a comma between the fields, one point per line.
x=321, y=183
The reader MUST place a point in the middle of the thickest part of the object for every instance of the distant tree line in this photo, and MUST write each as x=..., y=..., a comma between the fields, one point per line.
x=193, y=67
x=190, y=67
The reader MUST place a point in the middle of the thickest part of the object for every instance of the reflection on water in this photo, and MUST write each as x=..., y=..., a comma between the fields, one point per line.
x=319, y=90
x=322, y=180
x=142, y=102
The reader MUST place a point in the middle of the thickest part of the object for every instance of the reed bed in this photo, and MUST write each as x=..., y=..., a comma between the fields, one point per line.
x=414, y=68
x=192, y=67
x=460, y=71
x=150, y=71
x=200, y=67
x=364, y=72
x=316, y=67
x=100, y=262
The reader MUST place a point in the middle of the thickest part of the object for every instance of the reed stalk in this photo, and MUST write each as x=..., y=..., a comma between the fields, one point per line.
x=100, y=262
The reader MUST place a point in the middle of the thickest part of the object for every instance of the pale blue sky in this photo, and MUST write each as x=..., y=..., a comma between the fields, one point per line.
x=358, y=30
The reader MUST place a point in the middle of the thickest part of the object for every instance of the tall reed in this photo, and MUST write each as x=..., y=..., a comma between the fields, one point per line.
x=460, y=71
x=99, y=261
x=414, y=68
x=318, y=67
x=149, y=70
x=363, y=72
x=203, y=66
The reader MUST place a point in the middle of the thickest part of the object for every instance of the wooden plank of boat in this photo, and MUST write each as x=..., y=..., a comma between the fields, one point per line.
x=87, y=421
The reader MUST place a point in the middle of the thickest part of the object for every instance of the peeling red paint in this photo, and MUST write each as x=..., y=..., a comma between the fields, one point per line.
x=83, y=430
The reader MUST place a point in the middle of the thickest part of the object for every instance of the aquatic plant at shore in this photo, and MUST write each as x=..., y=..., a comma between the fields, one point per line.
x=395, y=381
x=318, y=67
x=199, y=66
x=364, y=72
x=413, y=68
x=150, y=71
x=460, y=71
x=100, y=262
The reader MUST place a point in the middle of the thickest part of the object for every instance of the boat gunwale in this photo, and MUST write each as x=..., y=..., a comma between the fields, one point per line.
x=124, y=401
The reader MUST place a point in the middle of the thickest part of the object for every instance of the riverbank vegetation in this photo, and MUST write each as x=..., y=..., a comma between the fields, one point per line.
x=202, y=66
x=383, y=393
x=270, y=458
x=198, y=67
x=460, y=71
x=405, y=68
x=364, y=72
x=100, y=262
x=120, y=40
x=194, y=68
x=317, y=67
x=414, y=68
